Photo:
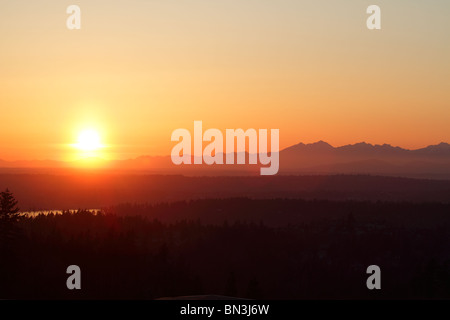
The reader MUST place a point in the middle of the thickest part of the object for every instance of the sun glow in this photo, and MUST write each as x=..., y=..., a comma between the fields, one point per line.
x=88, y=141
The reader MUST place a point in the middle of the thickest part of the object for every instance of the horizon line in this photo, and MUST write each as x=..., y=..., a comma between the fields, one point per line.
x=294, y=145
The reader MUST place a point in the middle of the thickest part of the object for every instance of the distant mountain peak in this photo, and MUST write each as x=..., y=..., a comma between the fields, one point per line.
x=364, y=146
x=319, y=145
x=444, y=144
x=442, y=147
x=315, y=146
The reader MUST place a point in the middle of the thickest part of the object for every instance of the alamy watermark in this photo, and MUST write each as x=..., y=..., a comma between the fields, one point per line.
x=73, y=22
x=74, y=280
x=214, y=152
x=374, y=281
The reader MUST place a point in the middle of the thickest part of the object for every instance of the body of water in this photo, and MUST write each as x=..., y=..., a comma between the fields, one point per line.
x=55, y=212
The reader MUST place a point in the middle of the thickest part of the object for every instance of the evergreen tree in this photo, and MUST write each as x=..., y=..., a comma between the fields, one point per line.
x=8, y=207
x=9, y=235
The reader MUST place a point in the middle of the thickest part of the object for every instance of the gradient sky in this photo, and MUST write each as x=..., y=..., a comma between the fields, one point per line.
x=139, y=69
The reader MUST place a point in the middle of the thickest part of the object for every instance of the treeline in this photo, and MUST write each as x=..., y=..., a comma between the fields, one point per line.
x=272, y=249
x=280, y=212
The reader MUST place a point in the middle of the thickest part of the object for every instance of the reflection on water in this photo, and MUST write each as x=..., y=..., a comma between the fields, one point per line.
x=56, y=212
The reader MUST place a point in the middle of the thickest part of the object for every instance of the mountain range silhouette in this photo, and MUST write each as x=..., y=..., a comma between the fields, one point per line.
x=320, y=157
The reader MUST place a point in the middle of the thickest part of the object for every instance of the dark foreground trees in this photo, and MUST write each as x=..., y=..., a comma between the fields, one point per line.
x=322, y=250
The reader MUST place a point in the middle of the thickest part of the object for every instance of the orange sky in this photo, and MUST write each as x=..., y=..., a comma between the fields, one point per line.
x=137, y=70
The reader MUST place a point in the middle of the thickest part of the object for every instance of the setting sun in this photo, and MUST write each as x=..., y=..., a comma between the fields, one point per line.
x=88, y=140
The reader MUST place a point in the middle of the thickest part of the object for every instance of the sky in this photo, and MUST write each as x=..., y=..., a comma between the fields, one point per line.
x=139, y=69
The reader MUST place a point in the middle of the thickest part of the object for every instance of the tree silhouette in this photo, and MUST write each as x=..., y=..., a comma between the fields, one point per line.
x=9, y=235
x=8, y=206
